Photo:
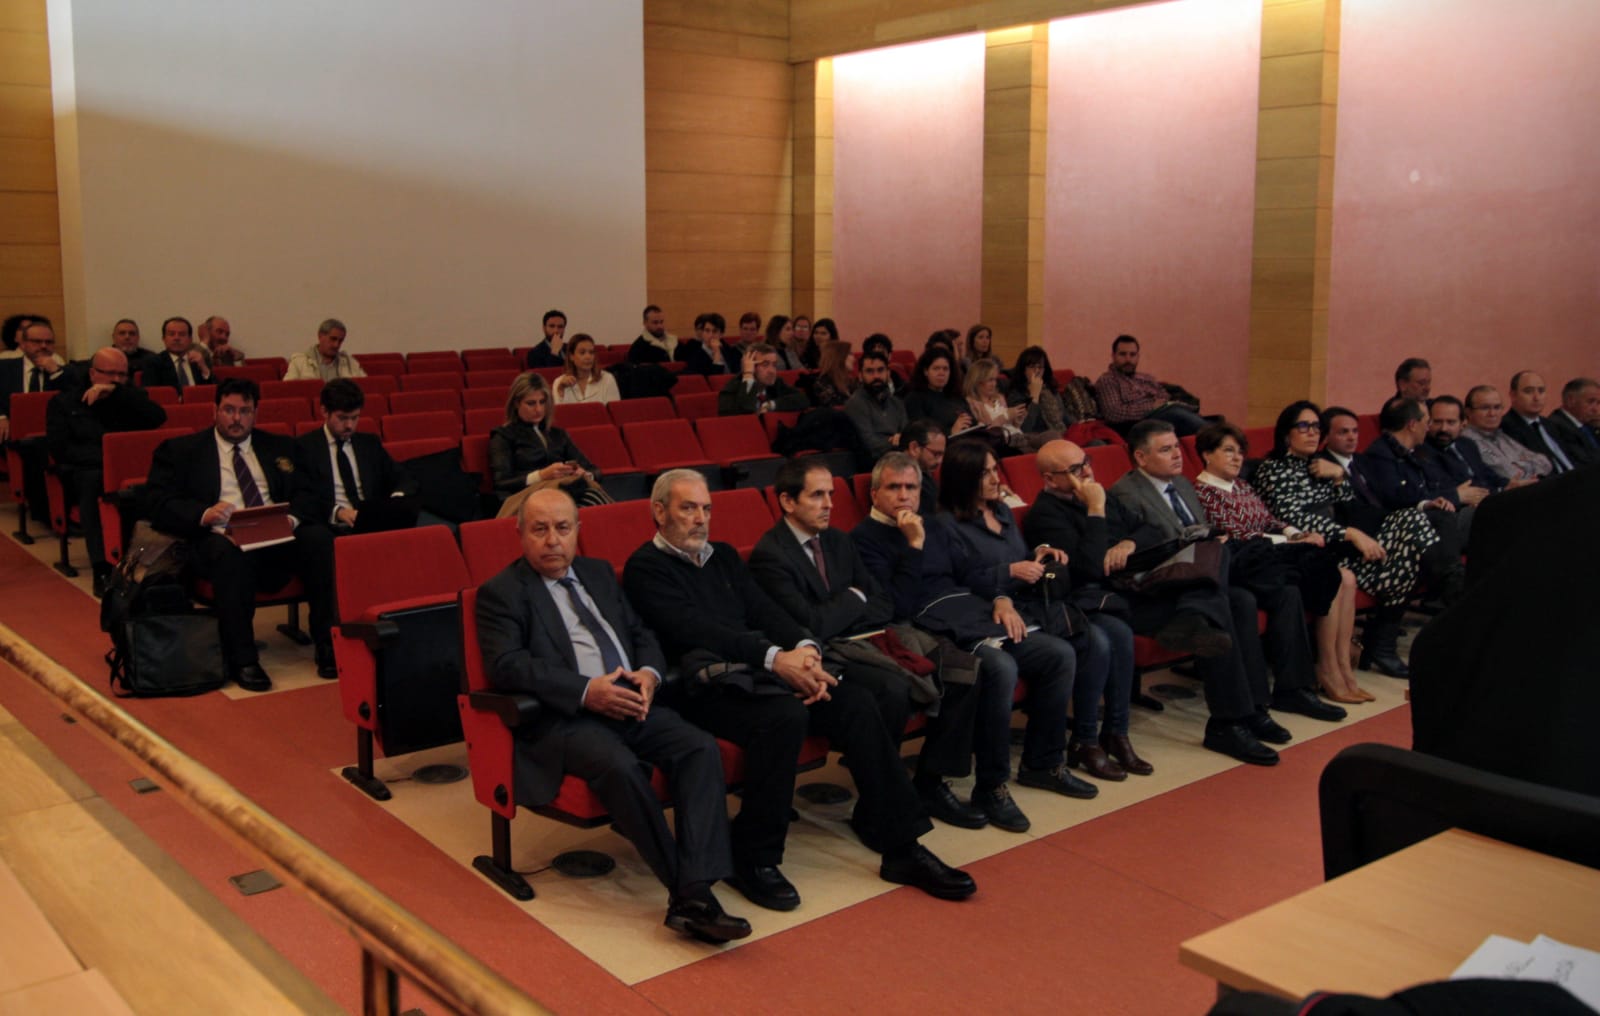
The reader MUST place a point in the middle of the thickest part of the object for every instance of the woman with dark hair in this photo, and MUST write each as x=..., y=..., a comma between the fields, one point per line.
x=809, y=354
x=988, y=556
x=1287, y=554
x=583, y=379
x=823, y=331
x=780, y=336
x=529, y=453
x=834, y=382
x=980, y=344
x=1034, y=376
x=936, y=391
x=1314, y=494
x=10, y=333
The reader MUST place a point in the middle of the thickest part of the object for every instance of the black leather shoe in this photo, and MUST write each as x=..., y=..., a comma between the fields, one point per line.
x=1120, y=748
x=1387, y=664
x=1058, y=780
x=705, y=919
x=1267, y=729
x=252, y=678
x=327, y=669
x=919, y=867
x=944, y=805
x=765, y=886
x=1302, y=701
x=1095, y=761
x=1003, y=812
x=1188, y=632
x=1236, y=741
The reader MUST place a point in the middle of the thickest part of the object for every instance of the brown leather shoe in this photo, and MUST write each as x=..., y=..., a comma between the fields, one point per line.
x=1092, y=759
x=1120, y=748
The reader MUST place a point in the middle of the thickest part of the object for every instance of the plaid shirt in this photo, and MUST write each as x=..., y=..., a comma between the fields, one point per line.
x=1126, y=399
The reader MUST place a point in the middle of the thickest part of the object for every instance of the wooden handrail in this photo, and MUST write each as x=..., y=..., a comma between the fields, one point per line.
x=394, y=937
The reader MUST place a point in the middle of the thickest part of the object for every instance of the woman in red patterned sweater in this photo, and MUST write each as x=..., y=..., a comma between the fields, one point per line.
x=1328, y=589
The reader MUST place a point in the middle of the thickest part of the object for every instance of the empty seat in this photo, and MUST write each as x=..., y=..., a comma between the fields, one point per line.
x=409, y=426
x=277, y=364
x=415, y=448
x=377, y=384
x=740, y=518
x=432, y=400
x=488, y=546
x=500, y=378
x=192, y=416
x=475, y=460
x=195, y=394
x=690, y=384
x=373, y=404
x=433, y=362
x=382, y=366
x=290, y=411
x=583, y=414
x=486, y=398
x=618, y=475
x=614, y=531
x=656, y=407
x=162, y=395
x=482, y=421
x=739, y=446
x=659, y=445
x=257, y=372
x=308, y=388
x=432, y=381
x=1110, y=463
x=694, y=405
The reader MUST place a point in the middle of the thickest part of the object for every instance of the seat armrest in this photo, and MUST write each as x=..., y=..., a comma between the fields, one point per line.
x=373, y=633
x=513, y=708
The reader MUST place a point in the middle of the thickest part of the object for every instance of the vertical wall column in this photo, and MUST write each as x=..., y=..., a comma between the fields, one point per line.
x=1016, y=77
x=1294, y=204
x=813, y=188
x=30, y=233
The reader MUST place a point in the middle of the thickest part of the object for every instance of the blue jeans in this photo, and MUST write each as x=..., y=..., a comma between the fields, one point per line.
x=1105, y=669
x=1048, y=665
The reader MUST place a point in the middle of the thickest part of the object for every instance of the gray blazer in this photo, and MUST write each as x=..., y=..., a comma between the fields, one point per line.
x=1141, y=498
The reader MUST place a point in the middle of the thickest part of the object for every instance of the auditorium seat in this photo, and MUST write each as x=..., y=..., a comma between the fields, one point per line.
x=433, y=362
x=373, y=404
x=1192, y=466
x=482, y=421
x=489, y=358
x=277, y=364
x=26, y=444
x=739, y=446
x=614, y=531
x=432, y=381
x=1110, y=463
x=365, y=425
x=618, y=475
x=861, y=488
x=488, y=546
x=408, y=426
x=549, y=373
x=659, y=445
x=1259, y=440
x=426, y=401
x=1063, y=376
x=161, y=395
x=414, y=448
x=196, y=394
x=377, y=384
x=583, y=414
x=690, y=384
x=500, y=377
x=694, y=405
x=257, y=372
x=486, y=398
x=847, y=511
x=740, y=517
x=282, y=428
x=381, y=366
x=770, y=422
x=1368, y=430
x=193, y=416
x=656, y=407
x=475, y=460
x=306, y=388
x=398, y=645
x=1021, y=473
x=287, y=410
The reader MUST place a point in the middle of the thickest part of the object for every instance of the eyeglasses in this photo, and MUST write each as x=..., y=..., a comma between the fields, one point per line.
x=1075, y=470
x=1307, y=426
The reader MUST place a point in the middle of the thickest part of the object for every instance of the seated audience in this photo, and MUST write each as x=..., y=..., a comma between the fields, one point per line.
x=936, y=391
x=1045, y=419
x=926, y=444
x=759, y=389
x=706, y=353
x=655, y=344
x=558, y=627
x=699, y=597
x=125, y=337
x=39, y=369
x=1126, y=396
x=1397, y=477
x=780, y=336
x=326, y=359
x=1315, y=494
x=885, y=345
x=815, y=573
x=1413, y=379
x=358, y=486
x=979, y=345
x=1525, y=424
x=551, y=348
x=1508, y=457
x=183, y=364
x=10, y=333
x=216, y=343
x=1286, y=553
x=834, y=384
x=1453, y=461
x=749, y=328
x=87, y=408
x=878, y=415
x=1576, y=425
x=529, y=452
x=198, y=481
x=584, y=380
x=823, y=331
x=989, y=409
x=809, y=353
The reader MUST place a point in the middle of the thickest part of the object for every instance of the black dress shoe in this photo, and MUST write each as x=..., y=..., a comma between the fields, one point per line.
x=1387, y=664
x=1095, y=761
x=917, y=866
x=1058, y=780
x=252, y=678
x=1302, y=701
x=1267, y=729
x=765, y=886
x=327, y=669
x=1188, y=632
x=705, y=919
x=944, y=805
x=1120, y=748
x=1002, y=811
x=1236, y=741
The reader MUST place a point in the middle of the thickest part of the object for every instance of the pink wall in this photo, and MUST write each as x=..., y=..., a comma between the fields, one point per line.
x=1466, y=193
x=908, y=189
x=1150, y=191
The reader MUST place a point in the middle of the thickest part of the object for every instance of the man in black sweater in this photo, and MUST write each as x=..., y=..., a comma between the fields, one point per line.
x=744, y=686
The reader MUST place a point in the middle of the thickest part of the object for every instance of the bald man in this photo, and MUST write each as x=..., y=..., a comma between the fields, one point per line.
x=90, y=406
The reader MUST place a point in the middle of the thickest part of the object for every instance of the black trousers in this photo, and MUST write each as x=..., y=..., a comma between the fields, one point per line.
x=1235, y=682
x=82, y=487
x=607, y=754
x=947, y=737
x=770, y=730
x=236, y=576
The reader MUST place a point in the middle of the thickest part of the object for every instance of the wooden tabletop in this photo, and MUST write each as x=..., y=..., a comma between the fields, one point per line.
x=1411, y=917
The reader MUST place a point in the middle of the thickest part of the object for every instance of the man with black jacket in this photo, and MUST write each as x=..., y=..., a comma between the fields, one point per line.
x=359, y=487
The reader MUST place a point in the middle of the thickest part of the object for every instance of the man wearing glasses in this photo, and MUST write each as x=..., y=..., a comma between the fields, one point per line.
x=89, y=407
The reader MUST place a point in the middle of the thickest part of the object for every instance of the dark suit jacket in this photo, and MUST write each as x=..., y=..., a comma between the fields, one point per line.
x=781, y=567
x=1151, y=508
x=1067, y=525
x=380, y=476
x=1399, y=478
x=526, y=649
x=73, y=430
x=692, y=352
x=1571, y=437
x=736, y=400
x=186, y=479
x=11, y=375
x=1523, y=434
x=541, y=356
x=1467, y=465
x=160, y=371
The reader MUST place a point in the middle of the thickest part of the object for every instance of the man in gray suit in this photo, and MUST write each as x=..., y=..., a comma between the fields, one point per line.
x=1576, y=425
x=558, y=627
x=1160, y=495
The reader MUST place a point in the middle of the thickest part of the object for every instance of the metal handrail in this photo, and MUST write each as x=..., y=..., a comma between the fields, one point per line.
x=393, y=941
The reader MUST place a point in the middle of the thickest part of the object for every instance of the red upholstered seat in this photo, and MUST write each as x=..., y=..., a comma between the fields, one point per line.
x=410, y=426
x=583, y=414
x=432, y=381
x=696, y=405
x=433, y=400
x=740, y=517
x=488, y=546
x=657, y=407
x=125, y=462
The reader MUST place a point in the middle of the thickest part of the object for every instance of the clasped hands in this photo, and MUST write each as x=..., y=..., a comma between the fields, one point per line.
x=801, y=669
x=611, y=694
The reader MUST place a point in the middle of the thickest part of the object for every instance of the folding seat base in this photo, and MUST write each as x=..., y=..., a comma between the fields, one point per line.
x=360, y=775
x=497, y=868
x=291, y=630
x=63, y=563
x=21, y=535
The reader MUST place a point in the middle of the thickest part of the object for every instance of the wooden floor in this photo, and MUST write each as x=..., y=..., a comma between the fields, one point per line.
x=1083, y=916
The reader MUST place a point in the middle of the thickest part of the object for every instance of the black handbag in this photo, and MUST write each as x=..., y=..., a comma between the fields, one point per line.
x=167, y=655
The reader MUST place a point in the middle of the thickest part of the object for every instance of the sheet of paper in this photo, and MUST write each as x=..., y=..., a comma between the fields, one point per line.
x=1543, y=959
x=1498, y=956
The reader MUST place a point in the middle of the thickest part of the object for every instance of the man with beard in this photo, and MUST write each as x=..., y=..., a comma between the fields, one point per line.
x=125, y=337
x=655, y=344
x=1127, y=396
x=879, y=416
x=1457, y=462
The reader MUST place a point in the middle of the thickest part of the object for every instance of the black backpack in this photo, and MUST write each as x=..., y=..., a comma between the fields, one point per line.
x=159, y=645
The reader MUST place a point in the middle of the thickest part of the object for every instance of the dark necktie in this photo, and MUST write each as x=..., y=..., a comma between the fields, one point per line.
x=1178, y=506
x=815, y=543
x=347, y=475
x=610, y=658
x=1588, y=436
x=1359, y=482
x=177, y=369
x=1557, y=457
x=248, y=491
x=36, y=380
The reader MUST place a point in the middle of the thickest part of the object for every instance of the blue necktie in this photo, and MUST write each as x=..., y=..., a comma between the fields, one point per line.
x=610, y=658
x=1557, y=456
x=1588, y=435
x=1178, y=506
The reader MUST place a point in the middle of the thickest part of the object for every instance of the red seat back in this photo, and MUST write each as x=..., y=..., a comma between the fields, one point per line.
x=1110, y=463
x=189, y=417
x=487, y=398
x=195, y=394
x=277, y=364
x=290, y=411
x=1260, y=440
x=432, y=381
x=488, y=546
x=410, y=426
x=614, y=531
x=847, y=511
x=603, y=446
x=365, y=425
x=728, y=439
x=583, y=414
x=307, y=388
x=740, y=517
x=475, y=460
x=1192, y=466
x=402, y=451
x=656, y=407
x=695, y=405
x=482, y=421
x=434, y=362
x=500, y=377
x=690, y=384
x=125, y=459
x=377, y=384
x=431, y=400
x=391, y=366
x=1022, y=475
x=659, y=445
x=256, y=372
x=161, y=395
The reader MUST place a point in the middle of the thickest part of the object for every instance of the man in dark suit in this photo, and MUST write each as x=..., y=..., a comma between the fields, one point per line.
x=37, y=370
x=557, y=627
x=551, y=350
x=1576, y=425
x=814, y=572
x=746, y=687
x=182, y=364
x=1399, y=478
x=196, y=484
x=1525, y=422
x=125, y=337
x=924, y=441
x=350, y=472
x=101, y=403
x=1456, y=460
x=1157, y=492
x=758, y=388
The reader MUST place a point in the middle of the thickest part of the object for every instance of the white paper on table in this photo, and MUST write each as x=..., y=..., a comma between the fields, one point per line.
x=1574, y=968
x=1498, y=956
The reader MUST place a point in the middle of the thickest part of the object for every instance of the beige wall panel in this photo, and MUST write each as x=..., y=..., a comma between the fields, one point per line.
x=1288, y=183
x=1282, y=283
x=717, y=231
x=1011, y=65
x=30, y=269
x=703, y=43
x=1289, y=133
x=1293, y=80
x=24, y=58
x=734, y=270
x=717, y=192
x=758, y=79
x=680, y=151
x=725, y=114
x=742, y=17
x=683, y=305
x=830, y=27
x=22, y=16
x=1292, y=28
x=1281, y=334
x=1013, y=109
x=27, y=164
x=52, y=307
x=29, y=218
x=25, y=112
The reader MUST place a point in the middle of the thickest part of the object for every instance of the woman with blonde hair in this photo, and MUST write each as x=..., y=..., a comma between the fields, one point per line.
x=583, y=380
x=988, y=408
x=530, y=453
